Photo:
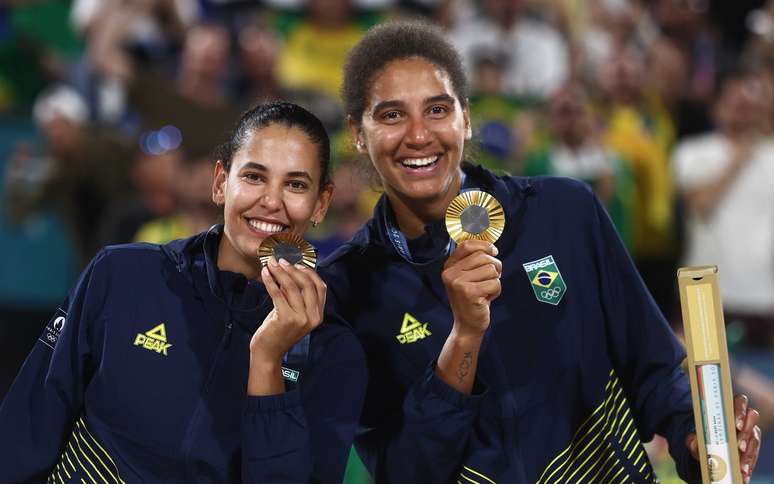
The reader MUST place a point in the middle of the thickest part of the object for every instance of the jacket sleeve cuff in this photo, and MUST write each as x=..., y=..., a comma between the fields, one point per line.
x=431, y=384
x=273, y=403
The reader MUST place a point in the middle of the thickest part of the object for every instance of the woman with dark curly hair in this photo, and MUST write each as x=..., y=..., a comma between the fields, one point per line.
x=541, y=358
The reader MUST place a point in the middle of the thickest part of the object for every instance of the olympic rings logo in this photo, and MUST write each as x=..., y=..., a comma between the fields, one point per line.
x=551, y=293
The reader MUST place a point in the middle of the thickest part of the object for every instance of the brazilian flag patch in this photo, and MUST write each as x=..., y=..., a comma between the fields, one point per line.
x=546, y=280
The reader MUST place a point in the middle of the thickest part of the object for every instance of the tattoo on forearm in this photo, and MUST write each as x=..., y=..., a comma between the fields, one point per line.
x=464, y=368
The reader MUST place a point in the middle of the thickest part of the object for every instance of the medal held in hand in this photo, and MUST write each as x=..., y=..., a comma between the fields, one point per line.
x=475, y=215
x=288, y=246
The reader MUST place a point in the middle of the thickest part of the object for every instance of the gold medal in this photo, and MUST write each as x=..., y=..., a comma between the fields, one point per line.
x=288, y=246
x=475, y=215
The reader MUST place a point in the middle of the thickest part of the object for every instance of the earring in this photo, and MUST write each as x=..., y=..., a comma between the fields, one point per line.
x=359, y=145
x=314, y=223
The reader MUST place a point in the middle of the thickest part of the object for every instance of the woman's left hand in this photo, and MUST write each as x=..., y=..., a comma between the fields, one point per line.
x=748, y=435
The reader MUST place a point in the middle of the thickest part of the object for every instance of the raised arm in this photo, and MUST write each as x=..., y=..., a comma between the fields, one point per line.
x=108, y=33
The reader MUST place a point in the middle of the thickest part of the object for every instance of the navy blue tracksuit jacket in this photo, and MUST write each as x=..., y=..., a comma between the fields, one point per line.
x=564, y=393
x=141, y=376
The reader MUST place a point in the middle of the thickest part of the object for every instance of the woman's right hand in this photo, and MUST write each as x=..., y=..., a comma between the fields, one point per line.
x=472, y=279
x=298, y=295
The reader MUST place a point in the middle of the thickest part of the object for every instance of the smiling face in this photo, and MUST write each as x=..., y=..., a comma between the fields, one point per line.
x=739, y=107
x=273, y=185
x=414, y=130
x=570, y=116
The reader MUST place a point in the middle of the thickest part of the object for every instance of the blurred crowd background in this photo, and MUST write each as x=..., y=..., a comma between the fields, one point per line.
x=110, y=110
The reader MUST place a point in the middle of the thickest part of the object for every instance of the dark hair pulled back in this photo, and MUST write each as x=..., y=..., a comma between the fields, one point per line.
x=284, y=113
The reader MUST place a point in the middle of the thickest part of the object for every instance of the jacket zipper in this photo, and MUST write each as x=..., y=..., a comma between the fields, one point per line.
x=191, y=432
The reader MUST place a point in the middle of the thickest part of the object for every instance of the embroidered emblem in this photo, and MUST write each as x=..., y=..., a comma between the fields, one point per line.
x=154, y=340
x=411, y=330
x=54, y=328
x=290, y=374
x=546, y=280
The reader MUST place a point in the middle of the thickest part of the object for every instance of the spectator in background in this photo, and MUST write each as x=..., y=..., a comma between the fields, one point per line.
x=195, y=212
x=348, y=210
x=726, y=178
x=87, y=167
x=667, y=75
x=154, y=34
x=259, y=47
x=538, y=61
x=765, y=77
x=496, y=115
x=154, y=195
x=316, y=45
x=640, y=129
x=759, y=53
x=594, y=27
x=686, y=25
x=195, y=102
x=577, y=151
x=37, y=47
x=760, y=23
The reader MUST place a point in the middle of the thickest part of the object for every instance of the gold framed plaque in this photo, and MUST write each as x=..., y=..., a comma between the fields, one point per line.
x=710, y=375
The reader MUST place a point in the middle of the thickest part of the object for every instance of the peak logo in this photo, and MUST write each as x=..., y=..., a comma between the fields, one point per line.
x=154, y=340
x=411, y=330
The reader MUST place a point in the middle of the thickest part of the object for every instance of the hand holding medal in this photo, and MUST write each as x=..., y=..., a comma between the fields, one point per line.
x=297, y=293
x=471, y=275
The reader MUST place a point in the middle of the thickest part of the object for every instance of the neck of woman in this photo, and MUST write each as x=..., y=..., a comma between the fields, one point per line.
x=413, y=214
x=230, y=260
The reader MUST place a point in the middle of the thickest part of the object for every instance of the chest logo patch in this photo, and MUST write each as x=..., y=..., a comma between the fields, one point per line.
x=154, y=340
x=411, y=330
x=546, y=280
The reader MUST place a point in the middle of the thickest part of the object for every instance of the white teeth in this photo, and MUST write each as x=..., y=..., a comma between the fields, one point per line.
x=416, y=162
x=266, y=226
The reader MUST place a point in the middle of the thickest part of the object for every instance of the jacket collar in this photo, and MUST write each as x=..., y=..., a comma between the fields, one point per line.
x=226, y=296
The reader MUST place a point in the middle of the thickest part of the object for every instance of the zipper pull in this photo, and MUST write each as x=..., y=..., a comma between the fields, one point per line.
x=227, y=334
